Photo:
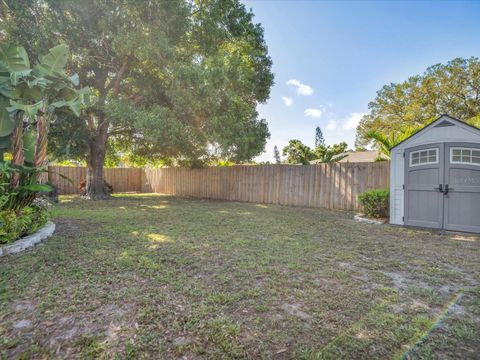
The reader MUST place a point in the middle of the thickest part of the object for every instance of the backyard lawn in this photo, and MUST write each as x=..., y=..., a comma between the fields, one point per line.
x=149, y=276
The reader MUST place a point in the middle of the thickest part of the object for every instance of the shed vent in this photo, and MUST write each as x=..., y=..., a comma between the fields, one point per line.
x=444, y=123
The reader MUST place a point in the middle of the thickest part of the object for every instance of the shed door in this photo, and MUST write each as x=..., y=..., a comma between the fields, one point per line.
x=424, y=172
x=462, y=174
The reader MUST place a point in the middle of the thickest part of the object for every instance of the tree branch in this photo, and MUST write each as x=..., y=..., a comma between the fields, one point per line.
x=119, y=132
x=200, y=7
x=115, y=83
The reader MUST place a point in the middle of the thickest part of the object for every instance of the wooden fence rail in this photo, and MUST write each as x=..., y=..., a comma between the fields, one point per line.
x=333, y=186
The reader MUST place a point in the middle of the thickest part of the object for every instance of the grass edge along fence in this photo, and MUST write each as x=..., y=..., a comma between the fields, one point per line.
x=332, y=186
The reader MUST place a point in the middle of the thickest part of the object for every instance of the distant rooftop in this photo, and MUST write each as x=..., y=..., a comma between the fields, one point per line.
x=358, y=157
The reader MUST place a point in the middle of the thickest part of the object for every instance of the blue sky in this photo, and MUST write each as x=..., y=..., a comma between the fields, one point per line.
x=330, y=58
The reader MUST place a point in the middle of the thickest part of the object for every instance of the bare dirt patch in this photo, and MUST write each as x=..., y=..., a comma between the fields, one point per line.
x=294, y=310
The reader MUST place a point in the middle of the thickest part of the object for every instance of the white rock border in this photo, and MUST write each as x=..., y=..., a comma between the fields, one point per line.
x=29, y=241
x=362, y=218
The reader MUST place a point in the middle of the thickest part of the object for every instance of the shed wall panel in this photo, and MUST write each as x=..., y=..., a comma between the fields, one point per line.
x=396, y=187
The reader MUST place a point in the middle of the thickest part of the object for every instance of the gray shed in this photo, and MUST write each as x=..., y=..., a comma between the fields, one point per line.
x=435, y=177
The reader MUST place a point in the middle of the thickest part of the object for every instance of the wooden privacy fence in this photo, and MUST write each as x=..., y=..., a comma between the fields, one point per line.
x=333, y=186
x=122, y=179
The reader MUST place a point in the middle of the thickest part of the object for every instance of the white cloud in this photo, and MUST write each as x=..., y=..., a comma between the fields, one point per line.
x=288, y=101
x=302, y=89
x=315, y=113
x=352, y=121
x=332, y=125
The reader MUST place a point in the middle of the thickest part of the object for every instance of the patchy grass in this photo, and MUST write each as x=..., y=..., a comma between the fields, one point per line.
x=146, y=276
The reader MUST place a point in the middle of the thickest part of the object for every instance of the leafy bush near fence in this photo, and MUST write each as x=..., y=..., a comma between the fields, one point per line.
x=375, y=202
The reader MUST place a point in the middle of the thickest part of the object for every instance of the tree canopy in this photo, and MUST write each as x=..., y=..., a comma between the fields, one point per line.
x=452, y=88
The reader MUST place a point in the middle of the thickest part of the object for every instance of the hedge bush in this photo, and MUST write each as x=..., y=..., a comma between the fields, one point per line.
x=15, y=224
x=375, y=202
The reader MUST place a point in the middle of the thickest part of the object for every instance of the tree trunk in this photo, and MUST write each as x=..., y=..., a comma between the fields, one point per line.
x=41, y=144
x=95, y=186
x=17, y=150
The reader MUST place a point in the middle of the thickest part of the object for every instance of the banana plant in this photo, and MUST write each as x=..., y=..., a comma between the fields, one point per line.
x=14, y=65
x=34, y=95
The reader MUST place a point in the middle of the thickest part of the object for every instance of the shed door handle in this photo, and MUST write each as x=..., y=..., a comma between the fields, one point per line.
x=447, y=189
x=439, y=188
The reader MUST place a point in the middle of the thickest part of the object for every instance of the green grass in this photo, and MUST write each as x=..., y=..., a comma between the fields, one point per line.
x=146, y=276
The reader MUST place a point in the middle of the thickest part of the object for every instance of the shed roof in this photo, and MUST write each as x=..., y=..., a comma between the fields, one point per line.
x=443, y=120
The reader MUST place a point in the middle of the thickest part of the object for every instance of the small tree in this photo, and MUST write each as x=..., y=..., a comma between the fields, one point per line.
x=319, y=139
x=298, y=153
x=276, y=155
x=332, y=153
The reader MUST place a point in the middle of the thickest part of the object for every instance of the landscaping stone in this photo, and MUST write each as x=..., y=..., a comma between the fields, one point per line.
x=364, y=219
x=29, y=241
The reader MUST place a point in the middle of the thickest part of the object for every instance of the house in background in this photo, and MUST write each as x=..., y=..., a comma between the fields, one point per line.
x=358, y=157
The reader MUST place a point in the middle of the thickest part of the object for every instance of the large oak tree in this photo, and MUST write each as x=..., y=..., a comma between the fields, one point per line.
x=170, y=79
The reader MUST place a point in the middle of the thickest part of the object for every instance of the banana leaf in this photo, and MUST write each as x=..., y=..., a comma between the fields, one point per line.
x=53, y=63
x=30, y=110
x=37, y=187
x=7, y=122
x=14, y=59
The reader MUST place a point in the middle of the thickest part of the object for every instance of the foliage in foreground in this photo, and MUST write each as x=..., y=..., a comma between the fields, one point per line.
x=30, y=98
x=31, y=95
x=21, y=211
x=375, y=202
x=15, y=224
x=22, y=193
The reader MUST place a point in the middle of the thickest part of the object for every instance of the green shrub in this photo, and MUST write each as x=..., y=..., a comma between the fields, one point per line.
x=23, y=194
x=15, y=224
x=375, y=202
